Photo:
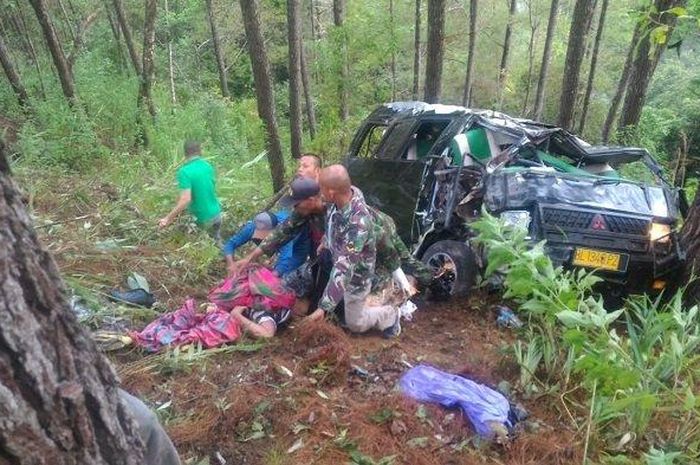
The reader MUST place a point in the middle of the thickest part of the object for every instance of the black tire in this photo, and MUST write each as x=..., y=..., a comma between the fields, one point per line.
x=458, y=265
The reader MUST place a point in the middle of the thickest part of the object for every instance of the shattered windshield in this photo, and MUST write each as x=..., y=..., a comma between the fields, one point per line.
x=518, y=189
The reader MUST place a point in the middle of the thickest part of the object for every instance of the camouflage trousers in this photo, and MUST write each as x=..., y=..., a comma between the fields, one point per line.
x=361, y=315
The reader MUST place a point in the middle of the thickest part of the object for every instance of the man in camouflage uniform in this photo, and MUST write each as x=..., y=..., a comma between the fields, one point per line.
x=352, y=236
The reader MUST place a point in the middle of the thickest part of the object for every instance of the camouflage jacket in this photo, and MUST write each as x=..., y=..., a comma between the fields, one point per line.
x=313, y=225
x=351, y=238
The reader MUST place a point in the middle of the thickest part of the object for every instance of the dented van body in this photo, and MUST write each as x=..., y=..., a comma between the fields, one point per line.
x=435, y=168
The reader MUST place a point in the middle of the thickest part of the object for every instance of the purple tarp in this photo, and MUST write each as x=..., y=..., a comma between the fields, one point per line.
x=481, y=404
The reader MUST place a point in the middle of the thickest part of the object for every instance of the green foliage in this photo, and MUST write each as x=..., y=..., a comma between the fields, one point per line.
x=645, y=372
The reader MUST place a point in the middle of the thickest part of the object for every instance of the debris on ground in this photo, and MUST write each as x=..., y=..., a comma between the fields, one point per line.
x=507, y=319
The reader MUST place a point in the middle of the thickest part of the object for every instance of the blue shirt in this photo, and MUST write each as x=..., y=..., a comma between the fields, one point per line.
x=289, y=257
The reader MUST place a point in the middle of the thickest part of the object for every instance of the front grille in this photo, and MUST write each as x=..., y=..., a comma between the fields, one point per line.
x=582, y=220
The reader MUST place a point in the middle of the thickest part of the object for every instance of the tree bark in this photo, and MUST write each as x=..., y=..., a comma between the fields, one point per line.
x=435, y=51
x=416, y=53
x=580, y=25
x=503, y=69
x=171, y=58
x=59, y=59
x=32, y=49
x=645, y=61
x=220, y=62
x=128, y=39
x=116, y=32
x=546, y=56
x=294, y=39
x=306, y=81
x=594, y=62
x=534, y=24
x=12, y=75
x=338, y=20
x=59, y=402
x=690, y=243
x=467, y=95
x=621, y=85
x=263, y=89
x=149, y=45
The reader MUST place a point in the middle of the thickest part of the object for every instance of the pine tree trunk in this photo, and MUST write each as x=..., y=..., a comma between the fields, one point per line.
x=12, y=74
x=294, y=39
x=32, y=50
x=59, y=59
x=546, y=57
x=645, y=62
x=220, y=62
x=149, y=45
x=306, y=81
x=594, y=62
x=467, y=95
x=435, y=50
x=580, y=25
x=263, y=90
x=621, y=85
x=416, y=53
x=124, y=24
x=338, y=20
x=171, y=59
x=58, y=394
x=503, y=69
x=530, y=58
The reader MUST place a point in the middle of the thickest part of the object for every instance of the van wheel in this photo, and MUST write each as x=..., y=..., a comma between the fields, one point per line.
x=455, y=268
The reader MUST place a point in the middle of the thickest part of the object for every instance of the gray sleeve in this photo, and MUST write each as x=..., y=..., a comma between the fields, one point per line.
x=159, y=449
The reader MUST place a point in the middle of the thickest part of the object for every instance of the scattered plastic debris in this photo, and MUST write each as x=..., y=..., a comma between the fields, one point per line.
x=507, y=319
x=407, y=309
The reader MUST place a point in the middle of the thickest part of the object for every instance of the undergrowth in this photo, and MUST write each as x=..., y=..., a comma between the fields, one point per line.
x=625, y=378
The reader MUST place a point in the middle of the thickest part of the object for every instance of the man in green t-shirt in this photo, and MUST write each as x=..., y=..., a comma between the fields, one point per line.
x=197, y=184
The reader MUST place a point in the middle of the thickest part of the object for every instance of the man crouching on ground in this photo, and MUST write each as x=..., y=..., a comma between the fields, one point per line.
x=351, y=239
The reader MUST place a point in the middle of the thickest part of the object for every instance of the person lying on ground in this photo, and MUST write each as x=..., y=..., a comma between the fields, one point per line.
x=197, y=184
x=289, y=257
x=351, y=237
x=264, y=324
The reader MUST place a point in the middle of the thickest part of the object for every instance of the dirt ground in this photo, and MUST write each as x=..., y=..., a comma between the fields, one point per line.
x=313, y=394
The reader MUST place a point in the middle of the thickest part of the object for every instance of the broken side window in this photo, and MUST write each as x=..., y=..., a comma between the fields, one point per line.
x=370, y=144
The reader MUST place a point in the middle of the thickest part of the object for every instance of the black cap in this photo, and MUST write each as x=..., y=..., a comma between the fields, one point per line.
x=300, y=189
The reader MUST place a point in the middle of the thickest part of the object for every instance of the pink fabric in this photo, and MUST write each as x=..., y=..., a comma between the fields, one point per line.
x=186, y=326
x=254, y=287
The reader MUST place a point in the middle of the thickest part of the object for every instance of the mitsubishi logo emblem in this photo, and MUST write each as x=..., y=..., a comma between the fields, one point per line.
x=598, y=223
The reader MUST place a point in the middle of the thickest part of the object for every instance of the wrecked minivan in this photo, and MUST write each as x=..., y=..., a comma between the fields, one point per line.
x=435, y=168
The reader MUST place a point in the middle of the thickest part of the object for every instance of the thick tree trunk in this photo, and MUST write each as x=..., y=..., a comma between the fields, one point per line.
x=621, y=85
x=416, y=53
x=338, y=20
x=128, y=39
x=263, y=90
x=467, y=95
x=294, y=39
x=435, y=50
x=546, y=56
x=594, y=62
x=220, y=62
x=580, y=25
x=645, y=62
x=503, y=69
x=58, y=393
x=149, y=45
x=690, y=242
x=59, y=59
x=12, y=75
x=306, y=81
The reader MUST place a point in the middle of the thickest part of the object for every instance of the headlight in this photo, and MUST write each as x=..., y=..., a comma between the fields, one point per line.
x=517, y=219
x=660, y=232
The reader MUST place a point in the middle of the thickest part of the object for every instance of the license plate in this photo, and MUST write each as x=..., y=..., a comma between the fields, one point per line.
x=598, y=259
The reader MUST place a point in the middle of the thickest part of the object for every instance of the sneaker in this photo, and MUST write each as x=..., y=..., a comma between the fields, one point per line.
x=393, y=330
